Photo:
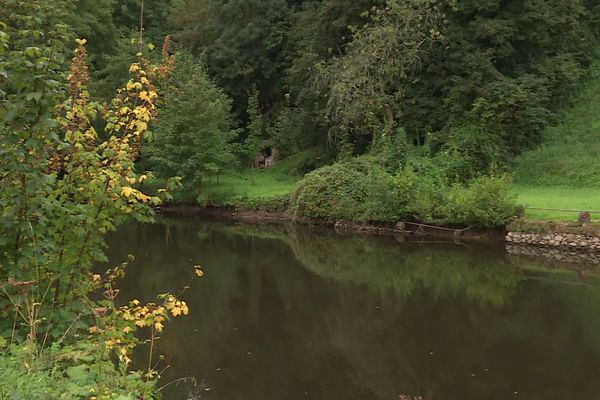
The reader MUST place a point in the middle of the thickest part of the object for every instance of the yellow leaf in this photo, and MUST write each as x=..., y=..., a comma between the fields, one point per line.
x=142, y=197
x=127, y=191
x=142, y=178
x=134, y=67
x=142, y=126
x=198, y=271
x=158, y=326
x=144, y=96
x=81, y=42
x=127, y=329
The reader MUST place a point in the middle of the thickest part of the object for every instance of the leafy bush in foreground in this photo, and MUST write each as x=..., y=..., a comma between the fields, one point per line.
x=70, y=372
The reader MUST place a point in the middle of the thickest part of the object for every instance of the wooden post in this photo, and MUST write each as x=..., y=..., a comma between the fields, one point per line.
x=520, y=212
x=584, y=217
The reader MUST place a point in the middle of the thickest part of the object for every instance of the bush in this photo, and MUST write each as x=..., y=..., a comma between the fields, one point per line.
x=469, y=152
x=357, y=189
x=486, y=202
x=360, y=189
x=422, y=191
x=428, y=197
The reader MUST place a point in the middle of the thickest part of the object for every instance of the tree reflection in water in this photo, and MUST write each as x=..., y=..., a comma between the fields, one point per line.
x=290, y=313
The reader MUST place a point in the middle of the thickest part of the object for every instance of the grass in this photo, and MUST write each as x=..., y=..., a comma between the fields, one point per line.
x=571, y=153
x=559, y=197
x=252, y=184
x=564, y=172
x=246, y=187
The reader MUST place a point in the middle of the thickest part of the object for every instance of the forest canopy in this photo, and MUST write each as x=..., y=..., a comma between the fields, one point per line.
x=352, y=70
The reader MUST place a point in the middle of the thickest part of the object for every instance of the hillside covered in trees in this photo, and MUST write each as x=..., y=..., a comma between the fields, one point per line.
x=347, y=72
x=447, y=91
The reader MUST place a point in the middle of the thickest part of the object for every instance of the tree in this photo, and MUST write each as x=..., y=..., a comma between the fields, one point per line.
x=255, y=128
x=243, y=42
x=320, y=30
x=507, y=65
x=93, y=20
x=364, y=85
x=126, y=16
x=192, y=138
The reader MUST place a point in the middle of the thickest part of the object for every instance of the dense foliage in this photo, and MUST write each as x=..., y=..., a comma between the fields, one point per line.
x=65, y=185
x=472, y=83
x=193, y=134
x=362, y=190
x=347, y=71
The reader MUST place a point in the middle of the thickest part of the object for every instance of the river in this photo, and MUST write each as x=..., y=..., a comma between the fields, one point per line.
x=292, y=313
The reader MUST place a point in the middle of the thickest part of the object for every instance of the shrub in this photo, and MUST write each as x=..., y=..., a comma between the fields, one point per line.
x=357, y=189
x=485, y=202
x=469, y=152
x=360, y=189
x=426, y=196
x=422, y=191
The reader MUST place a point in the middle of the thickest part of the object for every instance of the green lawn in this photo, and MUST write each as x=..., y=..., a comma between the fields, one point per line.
x=564, y=172
x=249, y=185
x=561, y=197
x=246, y=187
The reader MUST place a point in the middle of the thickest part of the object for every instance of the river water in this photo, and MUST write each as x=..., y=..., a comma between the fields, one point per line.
x=293, y=313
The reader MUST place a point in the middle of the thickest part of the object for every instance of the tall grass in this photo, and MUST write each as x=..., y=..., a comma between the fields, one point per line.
x=571, y=154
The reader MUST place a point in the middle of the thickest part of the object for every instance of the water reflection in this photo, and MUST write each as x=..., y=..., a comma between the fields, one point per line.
x=287, y=313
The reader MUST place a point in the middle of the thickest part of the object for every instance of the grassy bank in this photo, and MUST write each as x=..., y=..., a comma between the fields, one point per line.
x=564, y=172
x=245, y=188
x=251, y=185
x=571, y=152
x=557, y=197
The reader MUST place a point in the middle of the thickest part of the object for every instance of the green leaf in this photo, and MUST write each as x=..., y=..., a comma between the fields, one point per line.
x=36, y=96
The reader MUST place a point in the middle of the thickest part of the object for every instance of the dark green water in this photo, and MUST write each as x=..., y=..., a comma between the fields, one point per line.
x=289, y=313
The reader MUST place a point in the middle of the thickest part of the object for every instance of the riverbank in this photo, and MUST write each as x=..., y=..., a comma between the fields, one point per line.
x=552, y=240
x=401, y=228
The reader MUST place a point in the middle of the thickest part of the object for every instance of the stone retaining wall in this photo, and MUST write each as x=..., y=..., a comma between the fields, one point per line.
x=558, y=240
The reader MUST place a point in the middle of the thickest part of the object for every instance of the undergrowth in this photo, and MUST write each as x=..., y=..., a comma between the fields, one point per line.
x=569, y=156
